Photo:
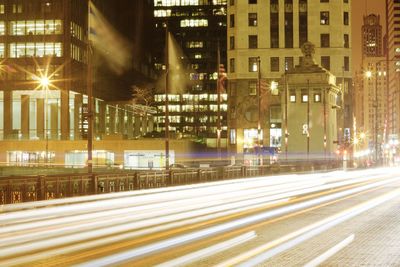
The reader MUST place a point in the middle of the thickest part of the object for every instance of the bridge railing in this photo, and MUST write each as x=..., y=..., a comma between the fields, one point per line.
x=17, y=189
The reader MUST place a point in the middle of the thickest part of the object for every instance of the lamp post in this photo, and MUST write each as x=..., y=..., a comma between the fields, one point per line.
x=166, y=99
x=259, y=139
x=45, y=84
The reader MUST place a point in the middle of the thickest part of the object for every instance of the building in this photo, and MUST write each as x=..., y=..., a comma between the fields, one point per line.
x=43, y=96
x=372, y=36
x=308, y=115
x=190, y=113
x=264, y=41
x=393, y=19
x=199, y=28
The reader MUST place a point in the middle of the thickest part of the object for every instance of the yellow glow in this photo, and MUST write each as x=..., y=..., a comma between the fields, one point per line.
x=44, y=81
x=362, y=135
x=368, y=74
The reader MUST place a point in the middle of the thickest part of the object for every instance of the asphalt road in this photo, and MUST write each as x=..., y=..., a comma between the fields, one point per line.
x=329, y=219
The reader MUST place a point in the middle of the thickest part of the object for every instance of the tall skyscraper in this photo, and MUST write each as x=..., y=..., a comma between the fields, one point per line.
x=373, y=88
x=264, y=41
x=393, y=18
x=372, y=36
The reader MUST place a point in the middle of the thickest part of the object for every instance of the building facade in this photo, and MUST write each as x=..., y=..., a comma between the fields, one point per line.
x=199, y=28
x=264, y=41
x=43, y=93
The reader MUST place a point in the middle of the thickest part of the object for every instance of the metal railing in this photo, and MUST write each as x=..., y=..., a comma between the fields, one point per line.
x=17, y=189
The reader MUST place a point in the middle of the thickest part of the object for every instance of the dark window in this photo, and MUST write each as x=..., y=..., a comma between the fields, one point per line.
x=274, y=23
x=252, y=87
x=346, y=41
x=232, y=20
x=275, y=64
x=324, y=1
x=232, y=2
x=232, y=42
x=252, y=19
x=252, y=1
x=324, y=17
x=346, y=18
x=253, y=41
x=253, y=64
x=289, y=63
x=303, y=23
x=326, y=62
x=346, y=64
x=345, y=1
x=288, y=24
x=232, y=65
x=325, y=40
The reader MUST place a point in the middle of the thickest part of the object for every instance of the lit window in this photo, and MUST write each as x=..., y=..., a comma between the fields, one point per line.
x=304, y=98
x=292, y=97
x=324, y=17
x=317, y=97
x=232, y=136
x=2, y=9
x=253, y=64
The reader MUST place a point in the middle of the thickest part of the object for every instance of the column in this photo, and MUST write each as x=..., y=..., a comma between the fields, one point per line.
x=8, y=114
x=25, y=116
x=138, y=124
x=129, y=126
x=144, y=125
x=78, y=117
x=102, y=117
x=53, y=121
x=40, y=117
x=64, y=114
x=121, y=120
x=112, y=111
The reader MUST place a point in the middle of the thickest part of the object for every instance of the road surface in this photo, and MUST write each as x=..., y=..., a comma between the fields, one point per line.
x=328, y=219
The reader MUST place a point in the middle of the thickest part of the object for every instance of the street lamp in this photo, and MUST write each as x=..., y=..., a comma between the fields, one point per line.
x=45, y=83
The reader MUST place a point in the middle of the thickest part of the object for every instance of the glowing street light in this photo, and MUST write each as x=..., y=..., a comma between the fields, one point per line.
x=44, y=82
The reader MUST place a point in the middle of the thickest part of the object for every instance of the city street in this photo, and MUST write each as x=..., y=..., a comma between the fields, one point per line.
x=329, y=219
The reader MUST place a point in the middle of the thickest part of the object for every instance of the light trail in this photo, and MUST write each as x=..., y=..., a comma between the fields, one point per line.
x=195, y=256
x=222, y=228
x=330, y=252
x=154, y=221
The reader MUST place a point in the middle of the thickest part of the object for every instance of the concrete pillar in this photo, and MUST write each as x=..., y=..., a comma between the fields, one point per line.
x=150, y=123
x=129, y=125
x=102, y=118
x=121, y=120
x=53, y=121
x=138, y=124
x=25, y=116
x=65, y=129
x=40, y=117
x=144, y=125
x=7, y=116
x=112, y=111
x=78, y=116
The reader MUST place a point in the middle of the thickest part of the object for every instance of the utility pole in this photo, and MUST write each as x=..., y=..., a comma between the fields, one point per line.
x=218, y=102
x=166, y=98
x=259, y=138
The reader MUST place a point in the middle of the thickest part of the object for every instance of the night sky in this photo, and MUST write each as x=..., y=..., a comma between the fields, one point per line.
x=359, y=9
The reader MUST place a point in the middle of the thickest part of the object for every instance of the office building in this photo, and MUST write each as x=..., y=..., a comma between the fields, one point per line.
x=43, y=95
x=264, y=41
x=199, y=28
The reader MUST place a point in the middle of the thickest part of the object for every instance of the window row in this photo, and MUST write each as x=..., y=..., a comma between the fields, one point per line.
x=35, y=27
x=159, y=3
x=18, y=50
x=194, y=23
x=325, y=41
x=274, y=19
x=288, y=64
x=304, y=96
